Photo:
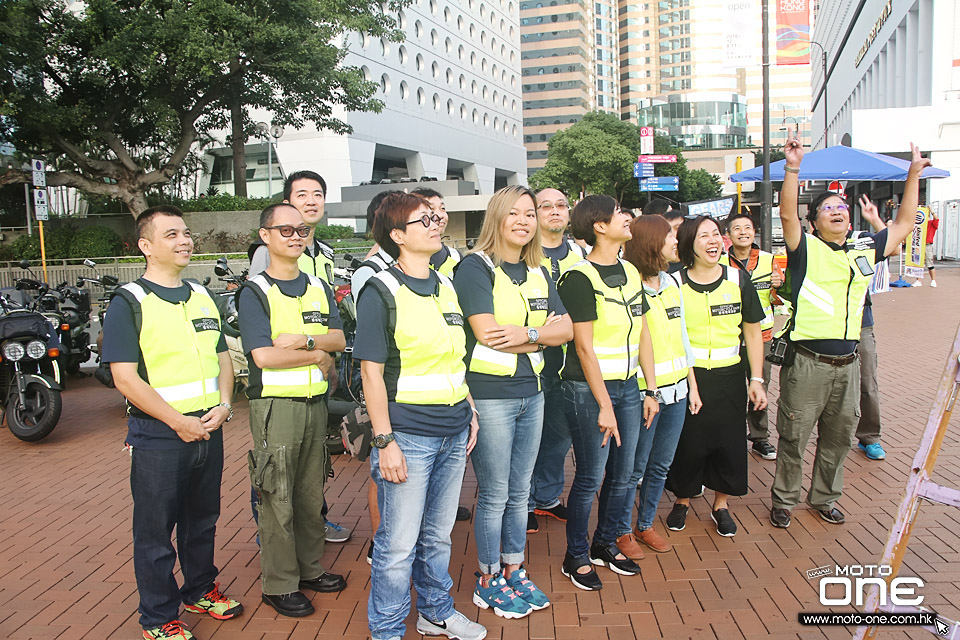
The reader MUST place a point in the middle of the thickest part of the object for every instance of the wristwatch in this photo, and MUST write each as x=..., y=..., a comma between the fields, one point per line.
x=382, y=440
x=652, y=393
x=532, y=335
x=229, y=409
x=311, y=343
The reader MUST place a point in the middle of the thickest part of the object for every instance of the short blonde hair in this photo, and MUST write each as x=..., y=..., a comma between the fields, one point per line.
x=491, y=241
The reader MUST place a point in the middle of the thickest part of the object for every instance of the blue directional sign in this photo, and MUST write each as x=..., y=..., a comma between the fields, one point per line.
x=660, y=183
x=643, y=169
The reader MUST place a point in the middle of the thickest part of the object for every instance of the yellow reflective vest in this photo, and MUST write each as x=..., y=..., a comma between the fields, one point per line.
x=616, y=331
x=178, y=343
x=574, y=255
x=828, y=304
x=665, y=324
x=525, y=305
x=453, y=259
x=430, y=339
x=761, y=277
x=308, y=314
x=713, y=321
x=320, y=266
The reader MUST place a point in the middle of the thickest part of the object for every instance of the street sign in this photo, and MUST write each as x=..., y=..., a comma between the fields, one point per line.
x=661, y=183
x=40, y=204
x=39, y=173
x=646, y=140
x=660, y=158
x=643, y=170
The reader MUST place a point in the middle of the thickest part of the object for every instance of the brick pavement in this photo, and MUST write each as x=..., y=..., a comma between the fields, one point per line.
x=65, y=555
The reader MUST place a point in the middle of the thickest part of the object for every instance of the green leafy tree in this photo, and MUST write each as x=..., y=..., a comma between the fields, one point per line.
x=699, y=184
x=116, y=94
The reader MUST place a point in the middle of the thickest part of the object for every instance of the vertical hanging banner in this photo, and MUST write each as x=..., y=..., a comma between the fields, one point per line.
x=793, y=32
x=740, y=26
x=916, y=245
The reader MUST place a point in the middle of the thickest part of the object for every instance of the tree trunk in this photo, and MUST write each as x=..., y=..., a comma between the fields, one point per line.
x=136, y=202
x=237, y=138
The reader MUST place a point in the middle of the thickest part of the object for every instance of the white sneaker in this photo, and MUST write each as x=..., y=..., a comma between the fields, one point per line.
x=933, y=283
x=918, y=283
x=456, y=626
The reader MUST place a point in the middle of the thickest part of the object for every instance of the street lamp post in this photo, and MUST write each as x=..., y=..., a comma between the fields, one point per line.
x=826, y=115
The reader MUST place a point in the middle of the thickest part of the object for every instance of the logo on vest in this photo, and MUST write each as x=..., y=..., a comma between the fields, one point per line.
x=725, y=309
x=762, y=285
x=315, y=317
x=672, y=313
x=453, y=319
x=636, y=310
x=206, y=324
x=539, y=304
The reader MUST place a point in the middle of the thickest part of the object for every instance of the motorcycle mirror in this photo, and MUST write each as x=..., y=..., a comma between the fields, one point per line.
x=24, y=264
x=110, y=281
x=206, y=281
x=90, y=263
x=220, y=270
x=222, y=260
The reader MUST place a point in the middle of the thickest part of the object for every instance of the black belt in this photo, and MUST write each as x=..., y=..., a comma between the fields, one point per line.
x=837, y=361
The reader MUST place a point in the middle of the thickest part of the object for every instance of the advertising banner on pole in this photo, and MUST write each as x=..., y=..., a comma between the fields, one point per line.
x=793, y=32
x=916, y=245
x=739, y=34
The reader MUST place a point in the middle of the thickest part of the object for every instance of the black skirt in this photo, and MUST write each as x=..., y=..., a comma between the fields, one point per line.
x=713, y=444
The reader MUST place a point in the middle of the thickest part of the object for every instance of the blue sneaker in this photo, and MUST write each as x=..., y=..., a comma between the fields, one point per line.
x=501, y=597
x=873, y=451
x=522, y=585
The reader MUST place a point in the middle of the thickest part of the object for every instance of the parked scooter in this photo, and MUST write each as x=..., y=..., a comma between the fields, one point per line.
x=30, y=383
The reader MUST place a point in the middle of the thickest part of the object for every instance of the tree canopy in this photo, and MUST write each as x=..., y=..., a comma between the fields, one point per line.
x=115, y=94
x=596, y=155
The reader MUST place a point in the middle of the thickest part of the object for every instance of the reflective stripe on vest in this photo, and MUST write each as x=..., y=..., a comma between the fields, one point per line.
x=713, y=321
x=429, y=336
x=453, y=258
x=524, y=305
x=665, y=324
x=616, y=331
x=179, y=346
x=308, y=314
x=761, y=277
x=829, y=303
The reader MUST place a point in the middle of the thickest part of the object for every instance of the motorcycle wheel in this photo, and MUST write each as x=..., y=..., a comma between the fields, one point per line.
x=38, y=417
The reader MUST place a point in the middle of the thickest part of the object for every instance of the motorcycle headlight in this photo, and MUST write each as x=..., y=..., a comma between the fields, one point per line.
x=36, y=349
x=13, y=351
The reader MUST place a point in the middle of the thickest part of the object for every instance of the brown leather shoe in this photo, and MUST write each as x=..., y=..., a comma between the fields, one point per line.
x=652, y=539
x=629, y=547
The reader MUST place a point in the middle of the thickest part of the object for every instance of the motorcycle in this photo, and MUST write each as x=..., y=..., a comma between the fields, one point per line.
x=30, y=381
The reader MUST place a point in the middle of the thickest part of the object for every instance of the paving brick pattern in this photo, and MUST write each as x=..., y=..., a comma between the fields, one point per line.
x=66, y=559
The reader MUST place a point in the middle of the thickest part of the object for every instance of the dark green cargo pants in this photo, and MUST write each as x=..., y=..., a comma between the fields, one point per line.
x=288, y=466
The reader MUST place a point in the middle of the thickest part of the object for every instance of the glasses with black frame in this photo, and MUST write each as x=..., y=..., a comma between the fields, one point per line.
x=426, y=219
x=287, y=230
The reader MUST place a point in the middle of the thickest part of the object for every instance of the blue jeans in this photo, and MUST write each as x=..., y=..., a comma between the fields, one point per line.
x=175, y=487
x=413, y=540
x=592, y=460
x=546, y=486
x=655, y=450
x=503, y=461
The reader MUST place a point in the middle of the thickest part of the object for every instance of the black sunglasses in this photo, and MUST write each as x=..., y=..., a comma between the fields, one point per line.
x=287, y=230
x=426, y=219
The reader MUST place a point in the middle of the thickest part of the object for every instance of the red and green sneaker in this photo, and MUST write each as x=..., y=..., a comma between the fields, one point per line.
x=173, y=630
x=216, y=604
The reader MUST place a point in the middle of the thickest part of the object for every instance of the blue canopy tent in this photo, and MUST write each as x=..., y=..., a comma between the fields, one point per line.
x=842, y=163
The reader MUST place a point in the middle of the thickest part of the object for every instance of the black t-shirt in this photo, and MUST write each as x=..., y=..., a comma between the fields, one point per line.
x=576, y=292
x=121, y=343
x=255, y=320
x=375, y=342
x=474, y=283
x=797, y=270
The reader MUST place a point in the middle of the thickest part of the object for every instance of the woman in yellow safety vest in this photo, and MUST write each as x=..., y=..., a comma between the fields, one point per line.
x=721, y=308
x=651, y=250
x=410, y=343
x=513, y=312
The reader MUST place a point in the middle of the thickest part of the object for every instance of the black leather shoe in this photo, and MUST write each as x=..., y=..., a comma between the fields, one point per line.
x=463, y=514
x=833, y=516
x=292, y=605
x=780, y=518
x=326, y=583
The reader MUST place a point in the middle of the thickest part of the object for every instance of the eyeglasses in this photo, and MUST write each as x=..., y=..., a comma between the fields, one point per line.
x=426, y=219
x=549, y=206
x=829, y=208
x=287, y=230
